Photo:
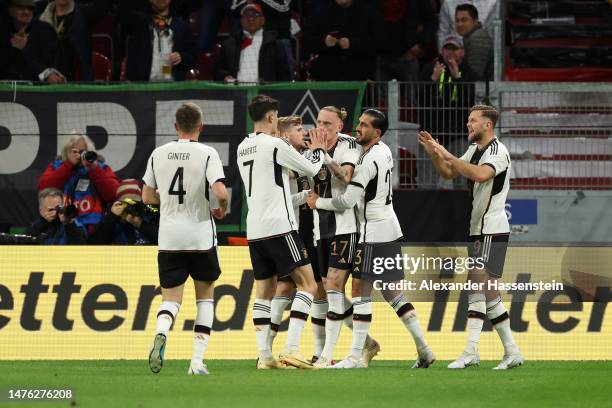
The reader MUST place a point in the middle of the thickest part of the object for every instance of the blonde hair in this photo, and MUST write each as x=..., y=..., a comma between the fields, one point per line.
x=341, y=112
x=72, y=141
x=285, y=122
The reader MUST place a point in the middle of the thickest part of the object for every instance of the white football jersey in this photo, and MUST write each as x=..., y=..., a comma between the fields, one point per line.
x=182, y=171
x=489, y=198
x=377, y=217
x=264, y=163
x=332, y=223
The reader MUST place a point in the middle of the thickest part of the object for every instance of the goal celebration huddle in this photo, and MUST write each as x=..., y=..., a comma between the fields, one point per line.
x=320, y=206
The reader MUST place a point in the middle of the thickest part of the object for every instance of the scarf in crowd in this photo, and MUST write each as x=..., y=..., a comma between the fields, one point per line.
x=162, y=24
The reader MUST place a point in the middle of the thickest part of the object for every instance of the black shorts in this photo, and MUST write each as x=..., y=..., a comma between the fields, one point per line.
x=277, y=256
x=369, y=262
x=492, y=250
x=314, y=261
x=337, y=252
x=176, y=267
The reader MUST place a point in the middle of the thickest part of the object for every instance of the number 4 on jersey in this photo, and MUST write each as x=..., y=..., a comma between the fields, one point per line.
x=178, y=178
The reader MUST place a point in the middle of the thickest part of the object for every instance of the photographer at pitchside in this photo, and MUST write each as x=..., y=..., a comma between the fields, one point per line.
x=87, y=182
x=57, y=224
x=128, y=221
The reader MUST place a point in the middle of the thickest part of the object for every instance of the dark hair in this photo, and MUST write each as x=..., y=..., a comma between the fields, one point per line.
x=260, y=106
x=473, y=11
x=188, y=117
x=379, y=121
x=487, y=111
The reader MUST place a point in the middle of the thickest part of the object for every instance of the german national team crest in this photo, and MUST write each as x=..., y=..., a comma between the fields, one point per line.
x=322, y=175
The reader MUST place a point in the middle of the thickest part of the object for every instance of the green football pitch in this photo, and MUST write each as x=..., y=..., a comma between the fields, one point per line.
x=128, y=383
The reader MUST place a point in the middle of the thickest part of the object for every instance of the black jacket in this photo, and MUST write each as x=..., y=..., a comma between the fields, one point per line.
x=362, y=24
x=13, y=64
x=408, y=22
x=57, y=233
x=139, y=27
x=273, y=62
x=111, y=230
x=43, y=49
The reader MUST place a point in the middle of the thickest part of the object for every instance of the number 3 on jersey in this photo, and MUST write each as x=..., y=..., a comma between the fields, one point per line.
x=178, y=179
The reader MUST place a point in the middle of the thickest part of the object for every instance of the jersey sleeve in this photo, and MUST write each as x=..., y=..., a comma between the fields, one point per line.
x=214, y=169
x=350, y=157
x=149, y=176
x=288, y=157
x=363, y=174
x=346, y=200
x=497, y=158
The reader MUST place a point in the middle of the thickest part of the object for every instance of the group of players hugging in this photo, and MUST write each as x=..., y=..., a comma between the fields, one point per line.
x=320, y=207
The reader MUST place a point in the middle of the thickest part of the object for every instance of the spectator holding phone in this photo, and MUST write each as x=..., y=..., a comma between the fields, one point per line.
x=87, y=182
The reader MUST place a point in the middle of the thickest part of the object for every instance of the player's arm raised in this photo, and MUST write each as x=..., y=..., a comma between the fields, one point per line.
x=290, y=158
x=443, y=166
x=477, y=173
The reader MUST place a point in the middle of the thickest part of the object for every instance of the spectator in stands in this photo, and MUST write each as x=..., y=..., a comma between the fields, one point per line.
x=160, y=44
x=410, y=27
x=486, y=11
x=447, y=99
x=54, y=227
x=254, y=54
x=14, y=33
x=128, y=221
x=346, y=35
x=477, y=42
x=63, y=38
x=87, y=182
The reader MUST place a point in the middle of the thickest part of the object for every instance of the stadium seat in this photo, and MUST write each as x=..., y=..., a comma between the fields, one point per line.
x=206, y=62
x=101, y=66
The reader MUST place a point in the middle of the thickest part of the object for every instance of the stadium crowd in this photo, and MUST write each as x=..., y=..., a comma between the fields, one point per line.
x=81, y=200
x=240, y=40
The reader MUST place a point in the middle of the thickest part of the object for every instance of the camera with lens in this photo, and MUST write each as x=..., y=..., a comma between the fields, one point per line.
x=89, y=156
x=137, y=208
x=70, y=211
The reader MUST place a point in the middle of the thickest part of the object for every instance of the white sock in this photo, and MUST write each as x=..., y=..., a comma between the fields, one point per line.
x=333, y=322
x=278, y=306
x=405, y=311
x=261, y=320
x=476, y=316
x=348, y=316
x=297, y=320
x=362, y=319
x=497, y=314
x=166, y=315
x=317, y=320
x=201, y=329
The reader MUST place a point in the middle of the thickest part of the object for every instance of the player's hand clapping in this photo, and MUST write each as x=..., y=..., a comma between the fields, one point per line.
x=317, y=139
x=311, y=200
